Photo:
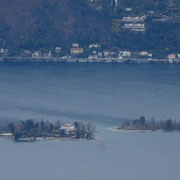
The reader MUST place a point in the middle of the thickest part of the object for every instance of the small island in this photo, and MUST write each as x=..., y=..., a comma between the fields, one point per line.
x=32, y=130
x=142, y=124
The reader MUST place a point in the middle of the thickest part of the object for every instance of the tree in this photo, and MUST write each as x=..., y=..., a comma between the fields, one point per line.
x=142, y=120
x=169, y=125
x=11, y=127
x=90, y=128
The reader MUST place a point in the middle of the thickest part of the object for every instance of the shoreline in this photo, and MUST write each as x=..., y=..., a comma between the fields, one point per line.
x=36, y=139
x=142, y=131
x=86, y=60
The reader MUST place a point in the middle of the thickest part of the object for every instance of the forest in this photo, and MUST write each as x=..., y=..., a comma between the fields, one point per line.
x=45, y=24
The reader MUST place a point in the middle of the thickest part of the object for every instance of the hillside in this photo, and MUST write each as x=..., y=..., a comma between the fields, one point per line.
x=37, y=24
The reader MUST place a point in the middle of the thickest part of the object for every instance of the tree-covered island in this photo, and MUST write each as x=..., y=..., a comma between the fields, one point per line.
x=31, y=130
x=152, y=125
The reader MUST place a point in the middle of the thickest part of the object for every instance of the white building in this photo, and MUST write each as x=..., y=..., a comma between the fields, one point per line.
x=75, y=45
x=3, y=51
x=36, y=54
x=68, y=127
x=128, y=9
x=134, y=19
x=124, y=54
x=58, y=49
x=94, y=45
x=134, y=26
x=109, y=53
x=100, y=54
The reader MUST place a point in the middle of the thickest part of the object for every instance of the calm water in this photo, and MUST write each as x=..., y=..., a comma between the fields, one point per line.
x=103, y=94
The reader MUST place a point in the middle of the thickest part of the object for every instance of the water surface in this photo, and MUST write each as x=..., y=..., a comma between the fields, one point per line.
x=103, y=94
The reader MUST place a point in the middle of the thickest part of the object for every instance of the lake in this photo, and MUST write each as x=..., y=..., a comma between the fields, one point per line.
x=104, y=94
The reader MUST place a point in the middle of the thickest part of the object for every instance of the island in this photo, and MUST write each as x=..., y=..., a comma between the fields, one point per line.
x=142, y=124
x=32, y=130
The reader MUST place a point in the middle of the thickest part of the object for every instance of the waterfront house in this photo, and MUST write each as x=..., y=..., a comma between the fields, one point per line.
x=76, y=51
x=124, y=54
x=143, y=53
x=109, y=54
x=58, y=49
x=150, y=54
x=94, y=45
x=171, y=56
x=3, y=51
x=36, y=54
x=47, y=55
x=92, y=57
x=100, y=54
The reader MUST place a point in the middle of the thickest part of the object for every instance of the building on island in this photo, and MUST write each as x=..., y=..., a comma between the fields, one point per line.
x=68, y=128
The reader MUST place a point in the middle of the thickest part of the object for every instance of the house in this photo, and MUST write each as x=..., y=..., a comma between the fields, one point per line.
x=36, y=54
x=27, y=51
x=151, y=12
x=124, y=54
x=163, y=18
x=134, y=19
x=143, y=53
x=76, y=50
x=50, y=54
x=75, y=45
x=134, y=26
x=92, y=57
x=3, y=51
x=94, y=45
x=94, y=52
x=100, y=54
x=58, y=49
x=150, y=54
x=171, y=56
x=128, y=9
x=47, y=55
x=109, y=54
x=68, y=128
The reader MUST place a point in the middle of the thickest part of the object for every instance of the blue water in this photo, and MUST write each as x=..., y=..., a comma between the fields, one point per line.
x=103, y=94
